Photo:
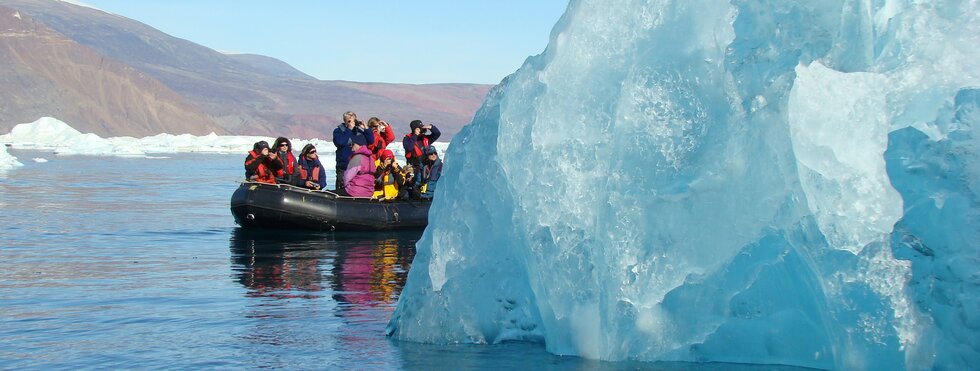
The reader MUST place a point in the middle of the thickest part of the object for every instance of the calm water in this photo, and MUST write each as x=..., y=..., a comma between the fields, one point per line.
x=137, y=263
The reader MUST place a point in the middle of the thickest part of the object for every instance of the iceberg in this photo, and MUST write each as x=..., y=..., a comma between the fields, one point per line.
x=735, y=181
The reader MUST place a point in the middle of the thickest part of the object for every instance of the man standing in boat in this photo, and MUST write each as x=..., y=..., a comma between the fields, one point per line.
x=343, y=137
x=415, y=144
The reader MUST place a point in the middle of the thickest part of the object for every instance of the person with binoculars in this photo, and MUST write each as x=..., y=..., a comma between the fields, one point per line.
x=383, y=135
x=261, y=164
x=343, y=137
x=415, y=144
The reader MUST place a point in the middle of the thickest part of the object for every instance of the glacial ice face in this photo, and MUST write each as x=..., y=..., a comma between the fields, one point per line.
x=786, y=182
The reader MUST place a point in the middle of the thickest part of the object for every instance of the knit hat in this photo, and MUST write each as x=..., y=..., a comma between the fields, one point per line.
x=431, y=150
x=386, y=154
x=260, y=145
x=359, y=139
x=416, y=124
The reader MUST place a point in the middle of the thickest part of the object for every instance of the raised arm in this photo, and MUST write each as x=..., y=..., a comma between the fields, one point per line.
x=388, y=136
x=434, y=133
x=368, y=134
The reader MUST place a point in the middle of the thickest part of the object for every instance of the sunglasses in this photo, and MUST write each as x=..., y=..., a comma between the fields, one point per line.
x=283, y=145
x=313, y=152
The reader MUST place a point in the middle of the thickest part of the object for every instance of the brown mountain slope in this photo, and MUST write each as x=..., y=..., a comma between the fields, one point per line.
x=44, y=73
x=250, y=94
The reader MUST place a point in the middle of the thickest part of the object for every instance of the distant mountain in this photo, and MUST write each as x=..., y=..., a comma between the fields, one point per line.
x=44, y=73
x=249, y=94
x=270, y=66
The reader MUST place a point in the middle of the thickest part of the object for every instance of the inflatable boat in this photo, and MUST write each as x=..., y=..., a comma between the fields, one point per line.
x=260, y=205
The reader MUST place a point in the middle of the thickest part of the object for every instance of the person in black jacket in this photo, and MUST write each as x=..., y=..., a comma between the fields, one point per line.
x=416, y=142
x=262, y=165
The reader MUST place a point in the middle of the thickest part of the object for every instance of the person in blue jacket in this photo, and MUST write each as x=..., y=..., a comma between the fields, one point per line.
x=343, y=138
x=309, y=171
x=431, y=172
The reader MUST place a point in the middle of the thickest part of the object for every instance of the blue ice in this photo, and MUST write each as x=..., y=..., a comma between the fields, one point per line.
x=771, y=182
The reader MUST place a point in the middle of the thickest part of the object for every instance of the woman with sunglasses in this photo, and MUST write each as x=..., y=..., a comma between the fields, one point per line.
x=284, y=151
x=310, y=173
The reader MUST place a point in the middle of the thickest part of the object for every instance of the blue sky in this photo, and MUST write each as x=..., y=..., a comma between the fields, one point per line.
x=426, y=41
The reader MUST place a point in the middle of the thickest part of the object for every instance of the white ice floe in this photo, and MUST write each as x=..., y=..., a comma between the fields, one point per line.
x=7, y=161
x=49, y=133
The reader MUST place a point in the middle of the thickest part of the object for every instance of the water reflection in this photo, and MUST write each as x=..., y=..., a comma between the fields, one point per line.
x=359, y=269
x=280, y=265
x=325, y=296
x=372, y=275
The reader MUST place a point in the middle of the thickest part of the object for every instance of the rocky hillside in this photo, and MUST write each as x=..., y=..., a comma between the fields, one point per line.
x=248, y=94
x=44, y=73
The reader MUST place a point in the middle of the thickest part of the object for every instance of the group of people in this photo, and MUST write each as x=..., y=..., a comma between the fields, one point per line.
x=365, y=167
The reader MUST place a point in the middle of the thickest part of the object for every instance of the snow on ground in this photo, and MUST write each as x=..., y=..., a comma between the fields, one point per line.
x=49, y=133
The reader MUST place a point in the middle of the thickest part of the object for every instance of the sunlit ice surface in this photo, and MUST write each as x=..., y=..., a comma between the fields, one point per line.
x=786, y=182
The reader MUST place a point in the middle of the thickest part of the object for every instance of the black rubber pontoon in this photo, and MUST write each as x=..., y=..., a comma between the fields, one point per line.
x=259, y=205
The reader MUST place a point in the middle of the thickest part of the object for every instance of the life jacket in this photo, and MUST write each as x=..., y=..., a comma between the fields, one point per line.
x=389, y=188
x=427, y=170
x=313, y=175
x=289, y=167
x=264, y=174
x=416, y=154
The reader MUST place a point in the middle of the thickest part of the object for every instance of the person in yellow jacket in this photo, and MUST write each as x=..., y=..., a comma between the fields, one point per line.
x=389, y=178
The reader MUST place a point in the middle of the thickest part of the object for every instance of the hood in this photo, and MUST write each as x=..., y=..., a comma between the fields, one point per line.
x=363, y=150
x=280, y=140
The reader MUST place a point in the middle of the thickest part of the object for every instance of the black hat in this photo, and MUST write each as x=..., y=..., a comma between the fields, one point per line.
x=260, y=145
x=416, y=124
x=431, y=150
x=359, y=139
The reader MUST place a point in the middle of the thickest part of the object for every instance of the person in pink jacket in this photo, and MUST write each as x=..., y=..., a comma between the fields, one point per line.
x=359, y=176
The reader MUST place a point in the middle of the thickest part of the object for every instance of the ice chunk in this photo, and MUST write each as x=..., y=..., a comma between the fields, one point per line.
x=7, y=161
x=720, y=181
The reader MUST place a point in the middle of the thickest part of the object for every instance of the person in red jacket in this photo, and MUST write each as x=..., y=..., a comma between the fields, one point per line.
x=284, y=153
x=262, y=165
x=415, y=144
x=383, y=135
